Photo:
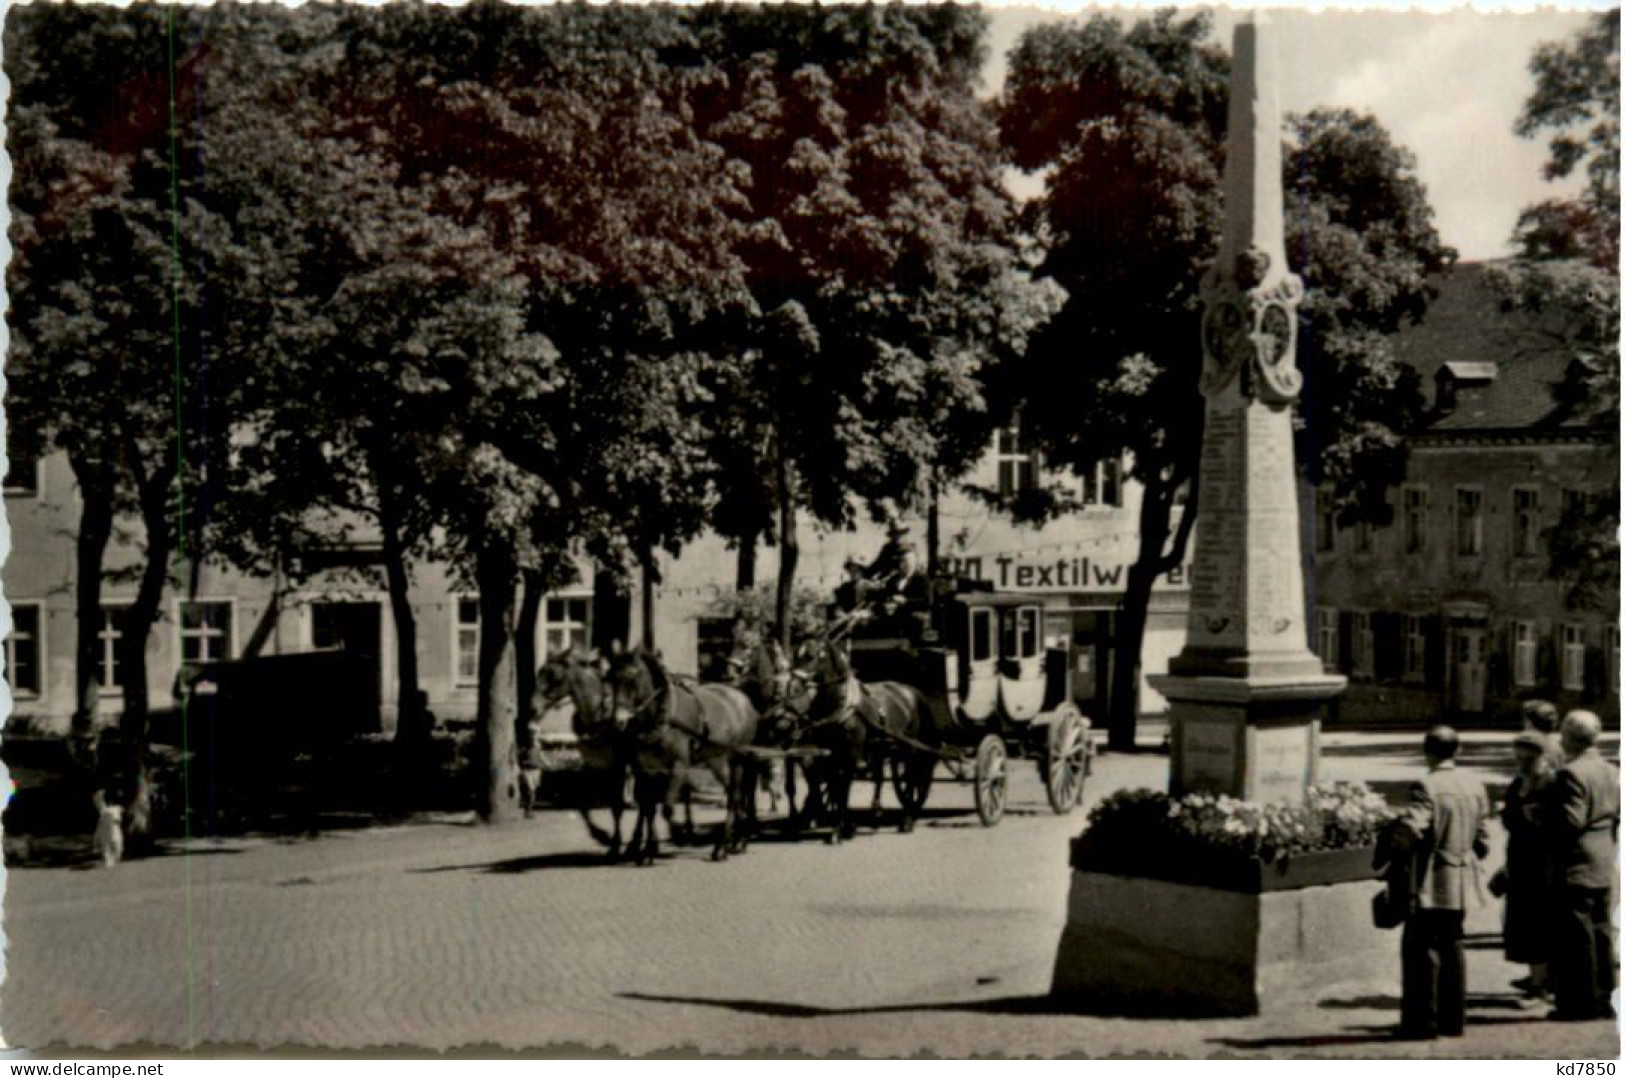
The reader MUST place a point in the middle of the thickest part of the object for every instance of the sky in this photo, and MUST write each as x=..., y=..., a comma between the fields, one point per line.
x=1448, y=86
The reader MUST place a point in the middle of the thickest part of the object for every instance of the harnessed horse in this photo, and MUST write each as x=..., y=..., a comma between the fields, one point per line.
x=865, y=725
x=675, y=726
x=575, y=676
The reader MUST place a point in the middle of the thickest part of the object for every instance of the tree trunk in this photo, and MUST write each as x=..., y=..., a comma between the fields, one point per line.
x=648, y=574
x=789, y=550
x=933, y=530
x=90, y=546
x=411, y=709
x=1155, y=558
x=611, y=612
x=745, y=572
x=494, y=740
x=138, y=622
x=524, y=650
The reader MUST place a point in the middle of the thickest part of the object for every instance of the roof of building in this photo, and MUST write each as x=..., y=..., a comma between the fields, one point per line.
x=1501, y=363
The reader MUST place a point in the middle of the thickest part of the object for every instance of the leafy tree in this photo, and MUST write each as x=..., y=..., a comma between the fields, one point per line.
x=879, y=255
x=1130, y=125
x=113, y=247
x=1566, y=281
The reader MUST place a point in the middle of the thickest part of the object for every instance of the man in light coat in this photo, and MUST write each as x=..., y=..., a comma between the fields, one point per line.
x=1446, y=821
x=1582, y=820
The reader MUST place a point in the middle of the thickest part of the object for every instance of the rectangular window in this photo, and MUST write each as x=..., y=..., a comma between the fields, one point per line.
x=1416, y=648
x=205, y=632
x=1574, y=658
x=1325, y=523
x=1017, y=470
x=467, y=640
x=1103, y=484
x=1469, y=521
x=1363, y=646
x=1525, y=521
x=1326, y=636
x=981, y=635
x=23, y=649
x=1415, y=521
x=565, y=625
x=1525, y=649
x=110, y=670
x=22, y=474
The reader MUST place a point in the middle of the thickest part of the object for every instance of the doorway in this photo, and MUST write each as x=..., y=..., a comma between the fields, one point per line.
x=356, y=629
x=1471, y=668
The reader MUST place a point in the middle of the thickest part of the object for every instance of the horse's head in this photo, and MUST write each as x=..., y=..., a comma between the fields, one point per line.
x=828, y=673
x=573, y=675
x=636, y=683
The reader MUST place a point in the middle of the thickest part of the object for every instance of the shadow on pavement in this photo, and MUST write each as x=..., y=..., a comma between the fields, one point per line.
x=771, y=1009
x=516, y=865
x=75, y=852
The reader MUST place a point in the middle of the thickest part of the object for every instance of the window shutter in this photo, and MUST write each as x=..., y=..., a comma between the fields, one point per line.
x=1596, y=673
x=1433, y=663
x=1499, y=645
x=1388, y=631
x=1345, y=641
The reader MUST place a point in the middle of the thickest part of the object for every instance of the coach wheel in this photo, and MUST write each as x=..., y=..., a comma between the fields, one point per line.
x=992, y=769
x=1066, y=761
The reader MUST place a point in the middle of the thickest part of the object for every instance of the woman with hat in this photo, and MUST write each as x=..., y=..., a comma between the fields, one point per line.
x=1525, y=879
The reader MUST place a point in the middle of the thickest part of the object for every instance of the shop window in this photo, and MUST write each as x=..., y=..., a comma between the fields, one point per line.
x=1525, y=521
x=1574, y=658
x=466, y=640
x=1326, y=636
x=1416, y=648
x=1415, y=521
x=1018, y=471
x=1469, y=521
x=24, y=649
x=205, y=629
x=1103, y=484
x=1525, y=649
x=110, y=668
x=567, y=624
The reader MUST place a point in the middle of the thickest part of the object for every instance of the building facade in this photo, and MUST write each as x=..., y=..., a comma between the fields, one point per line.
x=1077, y=565
x=1449, y=611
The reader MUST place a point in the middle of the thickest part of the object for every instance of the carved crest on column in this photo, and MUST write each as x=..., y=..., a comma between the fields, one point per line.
x=1250, y=329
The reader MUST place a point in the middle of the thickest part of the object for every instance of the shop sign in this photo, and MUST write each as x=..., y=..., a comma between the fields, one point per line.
x=1036, y=573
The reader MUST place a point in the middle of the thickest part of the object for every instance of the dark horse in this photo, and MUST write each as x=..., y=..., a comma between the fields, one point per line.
x=576, y=676
x=864, y=725
x=675, y=726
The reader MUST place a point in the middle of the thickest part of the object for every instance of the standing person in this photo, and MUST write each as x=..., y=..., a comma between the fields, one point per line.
x=1582, y=825
x=1526, y=933
x=1540, y=716
x=1446, y=822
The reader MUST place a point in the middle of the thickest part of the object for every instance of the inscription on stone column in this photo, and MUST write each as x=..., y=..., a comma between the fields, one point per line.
x=1208, y=752
x=1280, y=763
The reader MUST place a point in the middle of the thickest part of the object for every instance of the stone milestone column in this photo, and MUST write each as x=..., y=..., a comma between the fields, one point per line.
x=1245, y=694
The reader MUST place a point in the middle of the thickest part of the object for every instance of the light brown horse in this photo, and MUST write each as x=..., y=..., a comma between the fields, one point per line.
x=577, y=676
x=675, y=726
x=865, y=725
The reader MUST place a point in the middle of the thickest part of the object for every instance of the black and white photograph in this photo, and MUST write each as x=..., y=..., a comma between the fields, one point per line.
x=862, y=530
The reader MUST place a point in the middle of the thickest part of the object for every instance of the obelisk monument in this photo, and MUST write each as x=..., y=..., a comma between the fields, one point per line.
x=1246, y=693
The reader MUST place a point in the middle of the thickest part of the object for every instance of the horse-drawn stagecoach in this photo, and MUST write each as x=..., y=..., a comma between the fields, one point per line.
x=992, y=688
x=962, y=682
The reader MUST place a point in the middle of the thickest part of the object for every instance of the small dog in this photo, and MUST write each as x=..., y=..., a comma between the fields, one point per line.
x=109, y=839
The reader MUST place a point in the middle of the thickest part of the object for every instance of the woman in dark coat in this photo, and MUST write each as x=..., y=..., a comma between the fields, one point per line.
x=1528, y=917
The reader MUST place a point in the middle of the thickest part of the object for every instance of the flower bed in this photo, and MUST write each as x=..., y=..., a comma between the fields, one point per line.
x=1228, y=843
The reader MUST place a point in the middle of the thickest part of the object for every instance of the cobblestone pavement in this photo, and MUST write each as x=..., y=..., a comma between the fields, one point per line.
x=448, y=934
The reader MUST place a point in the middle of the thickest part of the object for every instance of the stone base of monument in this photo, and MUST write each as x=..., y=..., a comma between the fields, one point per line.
x=1223, y=939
